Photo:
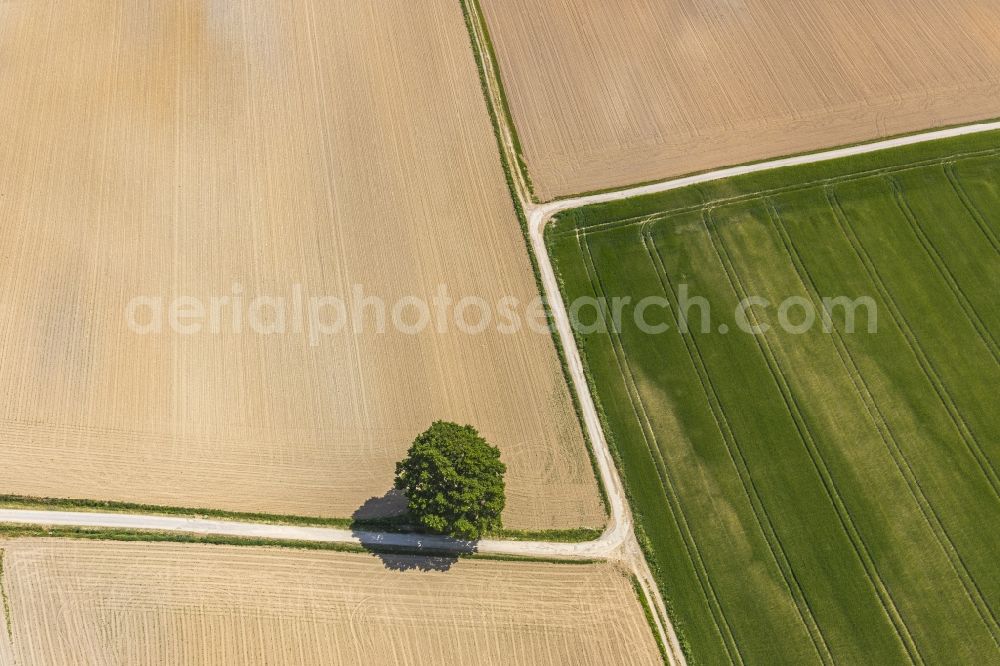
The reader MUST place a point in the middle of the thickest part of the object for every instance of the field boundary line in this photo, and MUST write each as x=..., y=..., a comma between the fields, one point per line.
x=663, y=472
x=889, y=438
x=843, y=222
x=552, y=207
x=497, y=98
x=652, y=617
x=360, y=538
x=899, y=194
x=970, y=205
x=789, y=189
x=731, y=442
x=779, y=377
x=520, y=199
x=6, y=599
x=781, y=156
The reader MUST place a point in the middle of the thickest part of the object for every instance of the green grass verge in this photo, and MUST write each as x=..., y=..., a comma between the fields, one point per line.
x=574, y=535
x=6, y=600
x=823, y=496
x=68, y=504
x=494, y=65
x=650, y=618
x=394, y=524
x=13, y=531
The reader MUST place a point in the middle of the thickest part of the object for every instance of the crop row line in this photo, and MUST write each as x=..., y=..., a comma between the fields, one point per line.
x=913, y=343
x=666, y=482
x=805, y=434
x=970, y=205
x=731, y=442
x=942, y=267
x=888, y=436
x=6, y=600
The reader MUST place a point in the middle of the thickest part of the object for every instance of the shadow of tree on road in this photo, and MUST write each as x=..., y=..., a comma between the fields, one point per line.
x=388, y=514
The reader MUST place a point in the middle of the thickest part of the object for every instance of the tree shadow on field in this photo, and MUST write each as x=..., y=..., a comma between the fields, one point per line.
x=381, y=525
x=388, y=509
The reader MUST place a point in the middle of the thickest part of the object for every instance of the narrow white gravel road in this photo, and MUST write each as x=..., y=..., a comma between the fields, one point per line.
x=597, y=550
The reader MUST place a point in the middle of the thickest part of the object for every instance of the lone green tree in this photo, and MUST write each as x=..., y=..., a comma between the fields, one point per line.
x=453, y=480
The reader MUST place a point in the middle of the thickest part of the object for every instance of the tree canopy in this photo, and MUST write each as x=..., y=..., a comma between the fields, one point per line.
x=453, y=480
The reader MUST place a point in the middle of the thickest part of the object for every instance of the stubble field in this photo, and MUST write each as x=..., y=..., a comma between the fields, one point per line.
x=75, y=602
x=179, y=149
x=812, y=494
x=609, y=94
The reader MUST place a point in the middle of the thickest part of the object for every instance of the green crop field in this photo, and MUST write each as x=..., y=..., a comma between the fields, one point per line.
x=825, y=493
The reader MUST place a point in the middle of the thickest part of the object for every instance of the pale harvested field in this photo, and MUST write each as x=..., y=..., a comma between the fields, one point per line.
x=74, y=602
x=176, y=148
x=609, y=94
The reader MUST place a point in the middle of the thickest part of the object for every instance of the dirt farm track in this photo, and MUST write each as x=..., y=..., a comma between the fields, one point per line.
x=235, y=150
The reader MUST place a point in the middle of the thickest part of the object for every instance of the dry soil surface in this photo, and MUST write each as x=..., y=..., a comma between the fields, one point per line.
x=75, y=602
x=609, y=94
x=178, y=149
